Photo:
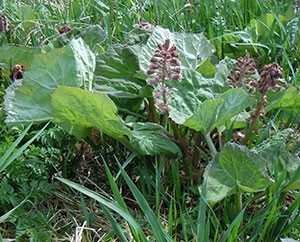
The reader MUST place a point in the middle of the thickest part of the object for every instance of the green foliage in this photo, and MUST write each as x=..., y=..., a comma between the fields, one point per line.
x=191, y=92
x=22, y=55
x=280, y=160
x=24, y=175
x=214, y=113
x=77, y=110
x=30, y=99
x=151, y=139
x=29, y=223
x=235, y=169
x=95, y=77
x=115, y=73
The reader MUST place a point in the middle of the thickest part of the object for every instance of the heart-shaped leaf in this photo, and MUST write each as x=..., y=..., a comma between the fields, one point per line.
x=193, y=49
x=274, y=151
x=77, y=111
x=115, y=70
x=235, y=168
x=213, y=113
x=189, y=93
x=151, y=139
x=195, y=89
x=29, y=100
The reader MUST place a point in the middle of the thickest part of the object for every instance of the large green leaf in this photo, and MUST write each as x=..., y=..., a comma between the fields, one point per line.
x=290, y=99
x=213, y=113
x=77, y=110
x=11, y=55
x=28, y=100
x=235, y=168
x=206, y=116
x=115, y=70
x=274, y=151
x=194, y=89
x=193, y=49
x=120, y=71
x=151, y=139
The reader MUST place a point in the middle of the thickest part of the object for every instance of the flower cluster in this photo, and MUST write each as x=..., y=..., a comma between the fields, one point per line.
x=65, y=29
x=144, y=26
x=165, y=66
x=17, y=72
x=3, y=23
x=245, y=66
x=269, y=77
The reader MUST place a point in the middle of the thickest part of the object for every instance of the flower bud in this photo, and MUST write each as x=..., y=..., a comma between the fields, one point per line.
x=150, y=71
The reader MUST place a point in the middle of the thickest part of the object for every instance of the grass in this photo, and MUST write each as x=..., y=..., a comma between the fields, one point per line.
x=145, y=199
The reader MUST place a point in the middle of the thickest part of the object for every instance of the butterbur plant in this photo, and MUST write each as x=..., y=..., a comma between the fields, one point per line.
x=165, y=66
x=270, y=78
x=17, y=72
x=241, y=74
x=144, y=26
x=3, y=23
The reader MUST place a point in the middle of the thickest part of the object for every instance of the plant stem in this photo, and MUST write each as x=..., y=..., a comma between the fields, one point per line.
x=152, y=110
x=240, y=207
x=254, y=121
x=240, y=201
x=164, y=94
x=210, y=144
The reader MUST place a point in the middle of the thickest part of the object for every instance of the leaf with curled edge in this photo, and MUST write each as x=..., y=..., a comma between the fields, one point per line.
x=235, y=168
x=77, y=111
x=215, y=112
x=193, y=49
x=151, y=139
x=115, y=73
x=29, y=100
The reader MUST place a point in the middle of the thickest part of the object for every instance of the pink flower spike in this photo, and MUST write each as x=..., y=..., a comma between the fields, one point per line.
x=151, y=81
x=158, y=94
x=163, y=107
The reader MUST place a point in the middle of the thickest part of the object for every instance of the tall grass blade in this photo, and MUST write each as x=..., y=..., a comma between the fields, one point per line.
x=85, y=210
x=114, y=187
x=258, y=229
x=3, y=160
x=128, y=160
x=107, y=203
x=201, y=220
x=117, y=228
x=159, y=167
x=4, y=217
x=117, y=195
x=231, y=233
x=285, y=217
x=159, y=232
x=8, y=157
